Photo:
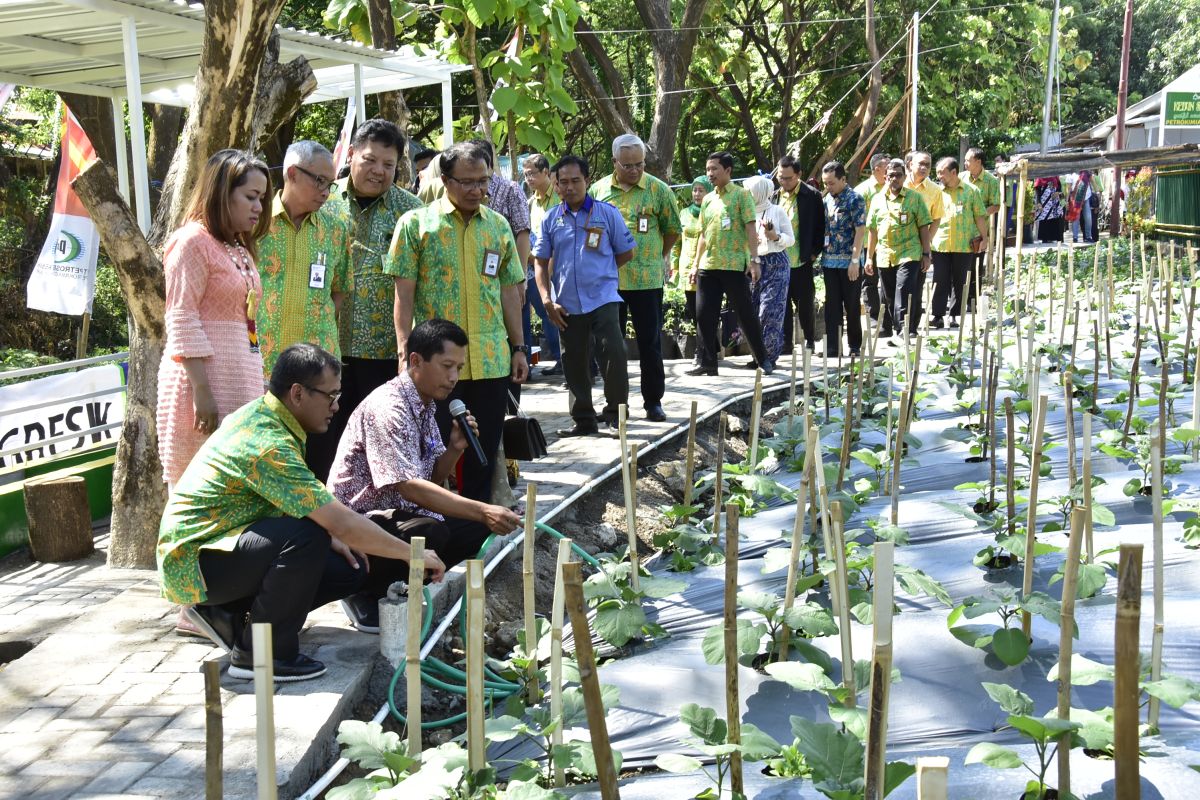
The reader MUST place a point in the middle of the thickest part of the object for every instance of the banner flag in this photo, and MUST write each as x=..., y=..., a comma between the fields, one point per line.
x=342, y=151
x=64, y=277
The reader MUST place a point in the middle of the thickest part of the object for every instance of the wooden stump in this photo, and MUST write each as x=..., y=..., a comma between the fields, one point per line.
x=60, y=520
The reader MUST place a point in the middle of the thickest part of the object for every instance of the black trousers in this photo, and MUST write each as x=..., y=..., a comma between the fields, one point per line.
x=711, y=287
x=950, y=270
x=645, y=308
x=801, y=301
x=486, y=399
x=280, y=569
x=870, y=297
x=842, y=301
x=454, y=541
x=896, y=286
x=595, y=334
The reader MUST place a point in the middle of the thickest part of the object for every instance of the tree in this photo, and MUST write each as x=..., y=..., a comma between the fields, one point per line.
x=242, y=95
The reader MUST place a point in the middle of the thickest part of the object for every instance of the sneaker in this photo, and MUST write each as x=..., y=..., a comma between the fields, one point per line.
x=217, y=624
x=363, y=612
x=297, y=668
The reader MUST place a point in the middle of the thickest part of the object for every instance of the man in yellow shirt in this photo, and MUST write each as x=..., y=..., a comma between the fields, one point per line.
x=918, y=163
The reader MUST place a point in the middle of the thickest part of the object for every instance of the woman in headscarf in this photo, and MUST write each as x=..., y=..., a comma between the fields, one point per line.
x=1081, y=198
x=683, y=256
x=775, y=236
x=1050, y=209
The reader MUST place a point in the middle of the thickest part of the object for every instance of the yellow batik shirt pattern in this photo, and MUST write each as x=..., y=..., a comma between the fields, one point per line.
x=724, y=215
x=293, y=309
x=652, y=199
x=931, y=193
x=988, y=186
x=961, y=205
x=252, y=468
x=898, y=222
x=445, y=256
x=366, y=329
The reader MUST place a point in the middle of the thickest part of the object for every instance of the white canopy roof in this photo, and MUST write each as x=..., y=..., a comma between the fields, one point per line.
x=78, y=46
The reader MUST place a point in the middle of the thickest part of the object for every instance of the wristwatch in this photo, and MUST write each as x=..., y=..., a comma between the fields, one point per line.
x=926, y=254
x=519, y=348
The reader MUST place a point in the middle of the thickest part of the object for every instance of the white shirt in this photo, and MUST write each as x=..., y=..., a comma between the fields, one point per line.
x=783, y=226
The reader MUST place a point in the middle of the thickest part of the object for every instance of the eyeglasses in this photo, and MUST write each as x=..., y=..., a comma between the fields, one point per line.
x=635, y=165
x=469, y=185
x=319, y=181
x=333, y=396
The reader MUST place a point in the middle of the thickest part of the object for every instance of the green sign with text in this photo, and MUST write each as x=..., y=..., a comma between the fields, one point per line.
x=1183, y=109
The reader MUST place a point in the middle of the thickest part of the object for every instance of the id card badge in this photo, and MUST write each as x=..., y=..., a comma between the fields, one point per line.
x=827, y=241
x=491, y=263
x=903, y=217
x=726, y=224
x=643, y=223
x=592, y=242
x=316, y=273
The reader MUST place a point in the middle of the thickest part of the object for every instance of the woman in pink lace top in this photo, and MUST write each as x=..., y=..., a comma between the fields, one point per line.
x=211, y=364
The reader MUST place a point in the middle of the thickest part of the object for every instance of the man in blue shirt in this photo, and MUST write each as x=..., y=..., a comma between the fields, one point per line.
x=582, y=243
x=845, y=225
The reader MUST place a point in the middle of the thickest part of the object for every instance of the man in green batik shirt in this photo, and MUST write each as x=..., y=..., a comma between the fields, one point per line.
x=457, y=259
x=868, y=189
x=371, y=202
x=898, y=238
x=306, y=269
x=648, y=207
x=988, y=186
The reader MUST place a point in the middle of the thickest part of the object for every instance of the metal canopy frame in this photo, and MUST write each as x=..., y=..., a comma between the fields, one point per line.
x=147, y=51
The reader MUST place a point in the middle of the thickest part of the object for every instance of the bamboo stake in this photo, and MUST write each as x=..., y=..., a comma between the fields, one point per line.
x=933, y=778
x=264, y=709
x=789, y=592
x=807, y=378
x=1190, y=312
x=1126, y=691
x=991, y=422
x=1156, y=646
x=1074, y=337
x=1010, y=465
x=606, y=773
x=629, y=483
x=825, y=383
x=214, y=732
x=689, y=469
x=847, y=429
x=887, y=428
x=412, y=645
x=476, y=713
x=1066, y=646
x=898, y=456
x=1087, y=483
x=1095, y=365
x=755, y=418
x=720, y=477
x=843, y=611
x=1035, y=463
x=529, y=593
x=1196, y=404
x=733, y=711
x=792, y=387
x=1069, y=405
x=881, y=672
x=962, y=316
x=1133, y=375
x=556, y=637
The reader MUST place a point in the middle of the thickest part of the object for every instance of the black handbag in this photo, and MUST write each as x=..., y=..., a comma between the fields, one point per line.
x=523, y=437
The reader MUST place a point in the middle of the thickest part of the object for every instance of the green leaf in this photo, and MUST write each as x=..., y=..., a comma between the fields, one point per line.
x=1091, y=579
x=1041, y=729
x=896, y=773
x=1010, y=645
x=658, y=588
x=805, y=677
x=763, y=602
x=1084, y=671
x=811, y=618
x=979, y=636
x=676, y=763
x=757, y=744
x=504, y=99
x=749, y=636
x=1103, y=515
x=1172, y=690
x=704, y=723
x=1044, y=606
x=830, y=754
x=994, y=756
x=813, y=654
x=357, y=789
x=915, y=582
x=1096, y=729
x=502, y=729
x=480, y=12
x=587, y=759
x=854, y=719
x=516, y=790
x=1010, y=699
x=366, y=742
x=618, y=622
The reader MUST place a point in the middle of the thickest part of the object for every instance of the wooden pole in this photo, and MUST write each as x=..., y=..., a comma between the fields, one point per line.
x=887, y=427
x=529, y=591
x=1196, y=403
x=732, y=701
x=412, y=647
x=792, y=387
x=264, y=709
x=789, y=592
x=847, y=430
x=1156, y=645
x=214, y=732
x=807, y=378
x=1069, y=406
x=1066, y=646
x=755, y=419
x=881, y=672
x=1010, y=465
x=629, y=483
x=1035, y=465
x=1087, y=484
x=606, y=773
x=991, y=417
x=476, y=713
x=690, y=464
x=1022, y=188
x=556, y=636
x=843, y=610
x=720, y=477
x=898, y=455
x=933, y=778
x=1126, y=691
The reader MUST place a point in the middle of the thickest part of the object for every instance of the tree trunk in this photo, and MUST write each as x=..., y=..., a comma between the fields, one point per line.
x=873, y=90
x=391, y=104
x=138, y=489
x=840, y=140
x=281, y=90
x=60, y=521
x=222, y=114
x=481, y=95
x=96, y=118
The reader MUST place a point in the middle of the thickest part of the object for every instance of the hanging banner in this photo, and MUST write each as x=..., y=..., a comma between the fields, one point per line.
x=64, y=277
x=342, y=151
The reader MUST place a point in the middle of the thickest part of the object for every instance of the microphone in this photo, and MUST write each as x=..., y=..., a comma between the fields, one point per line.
x=458, y=412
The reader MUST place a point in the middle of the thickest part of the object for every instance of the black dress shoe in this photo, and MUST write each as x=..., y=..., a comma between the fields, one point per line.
x=710, y=371
x=655, y=413
x=578, y=429
x=555, y=370
x=297, y=668
x=751, y=364
x=938, y=323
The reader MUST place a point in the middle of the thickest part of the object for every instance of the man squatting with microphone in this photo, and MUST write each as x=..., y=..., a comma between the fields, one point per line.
x=391, y=462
